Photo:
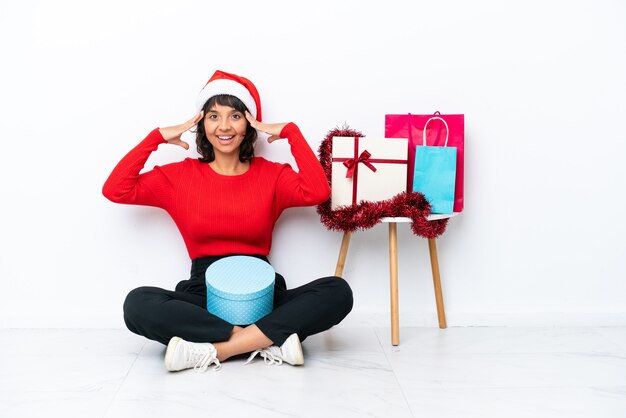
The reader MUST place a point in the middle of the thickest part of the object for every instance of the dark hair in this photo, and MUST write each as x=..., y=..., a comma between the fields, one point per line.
x=204, y=147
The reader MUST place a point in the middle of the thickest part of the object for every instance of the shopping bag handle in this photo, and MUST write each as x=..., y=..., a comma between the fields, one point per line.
x=426, y=125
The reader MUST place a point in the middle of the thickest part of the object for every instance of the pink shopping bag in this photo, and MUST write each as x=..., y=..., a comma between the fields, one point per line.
x=412, y=126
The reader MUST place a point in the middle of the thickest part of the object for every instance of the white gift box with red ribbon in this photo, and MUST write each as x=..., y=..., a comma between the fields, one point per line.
x=370, y=169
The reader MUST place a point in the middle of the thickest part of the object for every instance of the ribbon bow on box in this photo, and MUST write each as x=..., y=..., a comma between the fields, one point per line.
x=352, y=162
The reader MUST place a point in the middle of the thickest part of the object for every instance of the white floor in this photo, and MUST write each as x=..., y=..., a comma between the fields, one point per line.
x=349, y=372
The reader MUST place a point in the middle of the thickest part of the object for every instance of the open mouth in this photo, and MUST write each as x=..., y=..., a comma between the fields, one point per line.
x=225, y=139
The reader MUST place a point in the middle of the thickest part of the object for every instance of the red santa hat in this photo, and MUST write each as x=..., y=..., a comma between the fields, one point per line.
x=234, y=85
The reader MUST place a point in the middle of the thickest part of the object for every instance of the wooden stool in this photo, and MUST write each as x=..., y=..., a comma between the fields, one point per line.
x=393, y=271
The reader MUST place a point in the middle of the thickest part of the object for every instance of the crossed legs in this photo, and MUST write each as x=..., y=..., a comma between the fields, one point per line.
x=160, y=314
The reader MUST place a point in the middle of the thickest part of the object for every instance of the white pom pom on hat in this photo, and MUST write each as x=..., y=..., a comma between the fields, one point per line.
x=234, y=85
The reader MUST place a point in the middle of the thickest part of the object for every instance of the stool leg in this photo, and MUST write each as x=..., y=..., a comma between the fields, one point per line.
x=393, y=285
x=343, y=252
x=434, y=264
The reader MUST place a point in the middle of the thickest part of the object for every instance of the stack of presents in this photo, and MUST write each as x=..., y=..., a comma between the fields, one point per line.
x=420, y=153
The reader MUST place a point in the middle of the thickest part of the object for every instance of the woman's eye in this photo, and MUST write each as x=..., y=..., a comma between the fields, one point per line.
x=212, y=117
x=236, y=116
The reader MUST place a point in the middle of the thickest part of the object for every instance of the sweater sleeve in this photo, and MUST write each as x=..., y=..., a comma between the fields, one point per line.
x=308, y=186
x=153, y=188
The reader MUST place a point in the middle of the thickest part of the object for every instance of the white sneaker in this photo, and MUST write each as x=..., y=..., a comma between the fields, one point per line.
x=290, y=352
x=181, y=354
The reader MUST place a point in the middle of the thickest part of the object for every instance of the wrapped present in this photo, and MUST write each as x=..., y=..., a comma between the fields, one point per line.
x=369, y=169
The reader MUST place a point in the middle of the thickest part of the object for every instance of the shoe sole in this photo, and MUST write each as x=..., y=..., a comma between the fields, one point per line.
x=296, y=354
x=169, y=353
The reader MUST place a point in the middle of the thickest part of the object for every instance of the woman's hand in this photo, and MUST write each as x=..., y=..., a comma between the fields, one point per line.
x=273, y=129
x=172, y=134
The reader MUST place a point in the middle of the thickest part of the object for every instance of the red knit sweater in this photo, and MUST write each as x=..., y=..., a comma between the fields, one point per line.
x=217, y=214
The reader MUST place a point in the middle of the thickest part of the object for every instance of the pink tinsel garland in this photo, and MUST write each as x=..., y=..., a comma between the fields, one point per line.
x=365, y=215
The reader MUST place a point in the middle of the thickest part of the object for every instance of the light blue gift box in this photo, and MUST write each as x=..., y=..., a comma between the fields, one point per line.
x=240, y=289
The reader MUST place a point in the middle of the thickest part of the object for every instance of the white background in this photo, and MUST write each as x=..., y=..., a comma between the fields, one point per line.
x=542, y=85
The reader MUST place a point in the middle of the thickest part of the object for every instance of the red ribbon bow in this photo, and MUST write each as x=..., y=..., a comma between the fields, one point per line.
x=352, y=163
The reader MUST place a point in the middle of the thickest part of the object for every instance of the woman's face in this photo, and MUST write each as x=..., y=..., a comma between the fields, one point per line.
x=225, y=128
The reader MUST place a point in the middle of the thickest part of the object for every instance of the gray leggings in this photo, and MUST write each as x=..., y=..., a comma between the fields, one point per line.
x=160, y=314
